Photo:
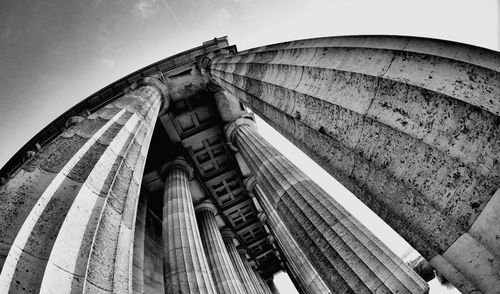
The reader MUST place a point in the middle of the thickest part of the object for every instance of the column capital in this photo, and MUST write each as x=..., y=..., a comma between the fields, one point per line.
x=180, y=162
x=227, y=232
x=250, y=185
x=244, y=120
x=205, y=61
x=160, y=86
x=206, y=205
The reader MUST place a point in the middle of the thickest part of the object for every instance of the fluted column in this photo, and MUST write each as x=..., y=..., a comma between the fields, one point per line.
x=250, y=270
x=67, y=217
x=186, y=269
x=408, y=125
x=248, y=284
x=346, y=255
x=223, y=272
x=138, y=253
x=303, y=269
x=263, y=283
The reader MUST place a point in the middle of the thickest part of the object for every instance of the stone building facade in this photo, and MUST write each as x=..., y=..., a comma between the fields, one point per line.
x=161, y=183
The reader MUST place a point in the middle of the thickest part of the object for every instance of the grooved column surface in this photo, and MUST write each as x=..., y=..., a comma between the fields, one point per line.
x=138, y=253
x=304, y=270
x=409, y=125
x=185, y=266
x=262, y=283
x=66, y=218
x=251, y=272
x=225, y=277
x=346, y=255
x=240, y=268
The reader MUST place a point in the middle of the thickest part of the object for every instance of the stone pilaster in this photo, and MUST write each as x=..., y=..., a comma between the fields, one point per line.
x=408, y=125
x=67, y=217
x=346, y=255
x=224, y=274
x=186, y=269
x=302, y=267
x=247, y=282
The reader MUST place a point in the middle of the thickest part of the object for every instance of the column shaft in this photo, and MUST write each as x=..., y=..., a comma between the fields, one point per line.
x=225, y=277
x=408, y=125
x=242, y=272
x=251, y=271
x=79, y=198
x=185, y=265
x=262, y=283
x=345, y=254
x=138, y=253
x=301, y=265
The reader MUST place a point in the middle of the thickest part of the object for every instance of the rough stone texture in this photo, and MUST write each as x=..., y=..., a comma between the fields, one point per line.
x=68, y=222
x=409, y=125
x=303, y=269
x=241, y=270
x=186, y=268
x=223, y=272
x=346, y=255
x=138, y=253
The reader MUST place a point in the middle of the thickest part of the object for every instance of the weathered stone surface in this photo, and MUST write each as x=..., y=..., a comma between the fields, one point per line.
x=345, y=254
x=71, y=223
x=304, y=270
x=225, y=278
x=409, y=125
x=138, y=253
x=186, y=268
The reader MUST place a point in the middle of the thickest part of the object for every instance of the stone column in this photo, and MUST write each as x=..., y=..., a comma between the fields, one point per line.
x=223, y=272
x=262, y=283
x=138, y=253
x=345, y=254
x=67, y=217
x=250, y=270
x=186, y=268
x=303, y=269
x=248, y=284
x=408, y=125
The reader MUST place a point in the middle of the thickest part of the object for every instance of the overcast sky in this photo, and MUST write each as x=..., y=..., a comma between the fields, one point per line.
x=55, y=53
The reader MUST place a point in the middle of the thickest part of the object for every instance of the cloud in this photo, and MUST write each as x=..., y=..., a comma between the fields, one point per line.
x=144, y=8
